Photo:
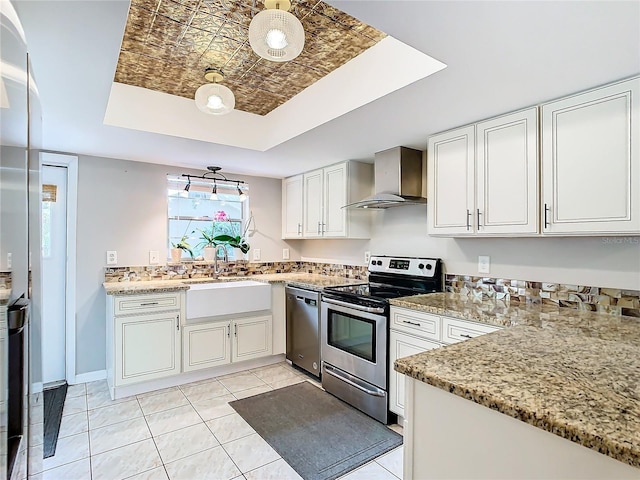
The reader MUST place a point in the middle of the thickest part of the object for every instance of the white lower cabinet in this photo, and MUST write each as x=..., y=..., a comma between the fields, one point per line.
x=403, y=345
x=207, y=345
x=251, y=338
x=414, y=332
x=147, y=347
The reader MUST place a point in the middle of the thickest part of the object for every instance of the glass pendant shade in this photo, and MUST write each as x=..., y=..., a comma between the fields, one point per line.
x=276, y=35
x=215, y=99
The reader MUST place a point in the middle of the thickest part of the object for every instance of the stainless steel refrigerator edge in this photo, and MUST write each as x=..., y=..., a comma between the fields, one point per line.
x=303, y=329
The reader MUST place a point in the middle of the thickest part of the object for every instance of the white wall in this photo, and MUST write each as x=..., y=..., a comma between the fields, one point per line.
x=122, y=206
x=596, y=261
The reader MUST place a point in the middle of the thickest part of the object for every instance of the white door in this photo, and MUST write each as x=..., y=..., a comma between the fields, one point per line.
x=251, y=338
x=312, y=216
x=292, y=207
x=54, y=272
x=507, y=173
x=451, y=187
x=335, y=197
x=591, y=161
x=205, y=345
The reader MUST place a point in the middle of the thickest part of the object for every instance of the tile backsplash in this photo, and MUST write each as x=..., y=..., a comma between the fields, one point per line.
x=580, y=297
x=240, y=268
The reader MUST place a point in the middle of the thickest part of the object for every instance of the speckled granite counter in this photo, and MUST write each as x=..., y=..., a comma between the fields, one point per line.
x=575, y=374
x=304, y=280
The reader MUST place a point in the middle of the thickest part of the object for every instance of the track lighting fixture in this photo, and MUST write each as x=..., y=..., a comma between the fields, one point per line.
x=216, y=177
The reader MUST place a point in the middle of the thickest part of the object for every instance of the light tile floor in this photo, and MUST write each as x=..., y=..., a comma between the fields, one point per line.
x=186, y=432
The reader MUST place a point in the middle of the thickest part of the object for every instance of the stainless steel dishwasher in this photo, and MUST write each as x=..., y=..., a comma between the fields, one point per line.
x=303, y=329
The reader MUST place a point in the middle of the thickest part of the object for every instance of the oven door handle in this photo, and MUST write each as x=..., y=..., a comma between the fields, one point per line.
x=376, y=393
x=355, y=307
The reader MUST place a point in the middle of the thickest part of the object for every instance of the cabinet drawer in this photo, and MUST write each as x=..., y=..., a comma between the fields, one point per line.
x=424, y=325
x=129, y=304
x=454, y=330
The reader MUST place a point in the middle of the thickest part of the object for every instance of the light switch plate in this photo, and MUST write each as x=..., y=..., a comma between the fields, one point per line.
x=285, y=254
x=484, y=263
x=112, y=257
x=367, y=257
x=8, y=260
x=256, y=254
x=154, y=257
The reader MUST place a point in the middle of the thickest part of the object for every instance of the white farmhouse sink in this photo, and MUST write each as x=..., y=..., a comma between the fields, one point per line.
x=227, y=298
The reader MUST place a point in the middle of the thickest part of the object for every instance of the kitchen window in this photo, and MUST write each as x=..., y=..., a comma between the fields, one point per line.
x=196, y=209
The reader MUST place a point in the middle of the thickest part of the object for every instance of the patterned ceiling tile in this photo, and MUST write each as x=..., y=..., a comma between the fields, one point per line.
x=168, y=44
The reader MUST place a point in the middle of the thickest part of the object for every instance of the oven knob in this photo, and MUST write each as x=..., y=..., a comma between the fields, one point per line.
x=379, y=262
x=429, y=266
x=421, y=266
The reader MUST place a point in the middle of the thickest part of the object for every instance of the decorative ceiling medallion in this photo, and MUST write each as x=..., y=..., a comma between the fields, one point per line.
x=183, y=38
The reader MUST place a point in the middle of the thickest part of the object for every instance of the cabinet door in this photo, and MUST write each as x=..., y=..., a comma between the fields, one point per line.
x=206, y=345
x=147, y=347
x=507, y=174
x=252, y=338
x=335, y=197
x=451, y=179
x=292, y=201
x=591, y=161
x=402, y=345
x=312, y=210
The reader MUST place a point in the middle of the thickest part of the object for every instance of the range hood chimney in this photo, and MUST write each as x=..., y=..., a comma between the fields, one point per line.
x=398, y=179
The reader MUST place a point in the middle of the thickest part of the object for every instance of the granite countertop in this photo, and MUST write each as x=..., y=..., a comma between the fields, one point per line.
x=304, y=280
x=575, y=374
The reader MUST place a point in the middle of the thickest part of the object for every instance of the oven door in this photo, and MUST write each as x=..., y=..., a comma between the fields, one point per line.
x=354, y=339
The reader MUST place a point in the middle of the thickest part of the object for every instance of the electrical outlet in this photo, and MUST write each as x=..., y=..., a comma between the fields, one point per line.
x=285, y=254
x=484, y=263
x=8, y=260
x=367, y=257
x=154, y=257
x=112, y=257
x=256, y=254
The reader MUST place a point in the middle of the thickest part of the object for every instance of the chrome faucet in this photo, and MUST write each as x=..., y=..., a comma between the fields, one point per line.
x=225, y=257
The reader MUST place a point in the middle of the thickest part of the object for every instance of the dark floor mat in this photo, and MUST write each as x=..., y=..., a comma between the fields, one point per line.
x=53, y=405
x=320, y=436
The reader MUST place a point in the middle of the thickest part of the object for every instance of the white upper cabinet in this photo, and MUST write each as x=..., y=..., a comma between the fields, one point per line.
x=451, y=180
x=324, y=193
x=312, y=203
x=292, y=216
x=591, y=161
x=507, y=174
x=483, y=178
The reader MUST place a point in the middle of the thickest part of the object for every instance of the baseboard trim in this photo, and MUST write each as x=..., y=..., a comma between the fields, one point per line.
x=89, y=377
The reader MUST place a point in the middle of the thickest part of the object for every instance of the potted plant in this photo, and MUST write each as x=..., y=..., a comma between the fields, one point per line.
x=209, y=243
x=180, y=246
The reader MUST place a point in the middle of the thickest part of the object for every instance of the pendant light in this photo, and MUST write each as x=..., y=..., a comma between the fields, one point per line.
x=275, y=34
x=212, y=97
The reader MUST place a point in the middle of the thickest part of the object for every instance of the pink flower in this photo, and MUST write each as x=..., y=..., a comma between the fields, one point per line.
x=220, y=216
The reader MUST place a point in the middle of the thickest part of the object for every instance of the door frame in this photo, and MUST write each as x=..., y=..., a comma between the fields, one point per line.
x=71, y=163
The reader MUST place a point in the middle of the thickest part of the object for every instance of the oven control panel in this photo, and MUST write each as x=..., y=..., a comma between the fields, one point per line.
x=417, y=267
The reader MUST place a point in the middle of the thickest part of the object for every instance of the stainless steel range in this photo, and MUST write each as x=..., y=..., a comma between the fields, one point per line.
x=355, y=328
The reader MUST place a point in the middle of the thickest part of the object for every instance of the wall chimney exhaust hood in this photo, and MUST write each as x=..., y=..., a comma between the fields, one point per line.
x=398, y=180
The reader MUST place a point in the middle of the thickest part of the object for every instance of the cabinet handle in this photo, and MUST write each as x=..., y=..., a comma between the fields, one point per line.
x=300, y=229
x=468, y=217
x=319, y=227
x=228, y=330
x=235, y=330
x=478, y=210
x=146, y=304
x=465, y=335
x=411, y=323
x=178, y=322
x=323, y=228
x=546, y=209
